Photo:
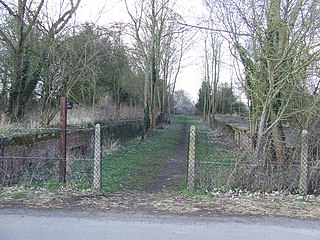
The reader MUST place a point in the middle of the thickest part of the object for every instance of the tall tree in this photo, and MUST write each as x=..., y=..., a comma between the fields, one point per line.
x=153, y=31
x=276, y=41
x=27, y=21
x=225, y=99
x=204, y=99
x=212, y=68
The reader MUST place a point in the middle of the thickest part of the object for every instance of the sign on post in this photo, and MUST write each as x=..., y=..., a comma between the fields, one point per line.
x=69, y=104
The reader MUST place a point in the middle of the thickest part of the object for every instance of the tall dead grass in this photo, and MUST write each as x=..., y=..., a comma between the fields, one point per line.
x=80, y=115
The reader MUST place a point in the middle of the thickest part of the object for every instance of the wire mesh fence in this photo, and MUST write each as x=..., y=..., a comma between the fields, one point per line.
x=31, y=156
x=34, y=156
x=228, y=160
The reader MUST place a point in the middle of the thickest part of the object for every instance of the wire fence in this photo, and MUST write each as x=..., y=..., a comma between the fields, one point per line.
x=32, y=156
x=36, y=157
x=226, y=160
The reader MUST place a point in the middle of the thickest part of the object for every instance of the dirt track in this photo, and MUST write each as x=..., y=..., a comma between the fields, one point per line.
x=175, y=170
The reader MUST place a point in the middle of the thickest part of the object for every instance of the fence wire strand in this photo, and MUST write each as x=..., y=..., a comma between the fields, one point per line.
x=30, y=156
x=226, y=160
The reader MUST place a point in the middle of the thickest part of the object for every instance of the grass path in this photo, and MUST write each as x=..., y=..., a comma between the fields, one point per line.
x=158, y=162
x=173, y=175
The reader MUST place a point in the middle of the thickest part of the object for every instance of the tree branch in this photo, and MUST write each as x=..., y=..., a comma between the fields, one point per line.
x=11, y=12
x=211, y=29
x=35, y=17
x=64, y=19
x=6, y=39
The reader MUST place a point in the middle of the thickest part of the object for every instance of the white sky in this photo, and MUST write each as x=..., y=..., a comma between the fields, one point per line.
x=104, y=12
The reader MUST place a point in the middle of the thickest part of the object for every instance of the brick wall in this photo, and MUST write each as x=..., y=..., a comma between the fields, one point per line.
x=24, y=152
x=20, y=154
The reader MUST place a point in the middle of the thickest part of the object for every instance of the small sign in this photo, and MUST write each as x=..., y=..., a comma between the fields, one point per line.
x=69, y=104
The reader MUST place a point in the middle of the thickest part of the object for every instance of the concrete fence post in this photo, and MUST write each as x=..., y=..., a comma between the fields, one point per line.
x=63, y=140
x=97, y=159
x=191, y=160
x=303, y=181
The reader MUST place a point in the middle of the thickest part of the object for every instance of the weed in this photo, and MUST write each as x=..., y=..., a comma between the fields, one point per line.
x=302, y=205
x=109, y=146
x=52, y=184
x=18, y=194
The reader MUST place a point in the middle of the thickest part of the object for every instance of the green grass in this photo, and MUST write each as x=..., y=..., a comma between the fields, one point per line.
x=137, y=163
x=180, y=119
x=179, y=186
x=134, y=166
x=206, y=150
x=18, y=194
x=215, y=153
x=79, y=175
x=214, y=149
x=216, y=158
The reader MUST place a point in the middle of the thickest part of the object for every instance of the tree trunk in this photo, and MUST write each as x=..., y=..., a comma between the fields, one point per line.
x=260, y=135
x=154, y=107
x=278, y=141
x=14, y=96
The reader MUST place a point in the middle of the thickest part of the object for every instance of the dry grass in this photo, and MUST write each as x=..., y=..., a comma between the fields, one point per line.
x=165, y=203
x=104, y=110
x=80, y=115
x=6, y=124
x=109, y=146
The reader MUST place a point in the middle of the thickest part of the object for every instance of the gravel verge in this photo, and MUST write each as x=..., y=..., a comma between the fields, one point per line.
x=213, y=204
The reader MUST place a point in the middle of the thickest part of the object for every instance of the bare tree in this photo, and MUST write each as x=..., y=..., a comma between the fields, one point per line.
x=276, y=43
x=153, y=30
x=27, y=17
x=212, y=60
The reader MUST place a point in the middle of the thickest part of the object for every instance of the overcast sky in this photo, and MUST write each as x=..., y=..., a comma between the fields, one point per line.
x=104, y=12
